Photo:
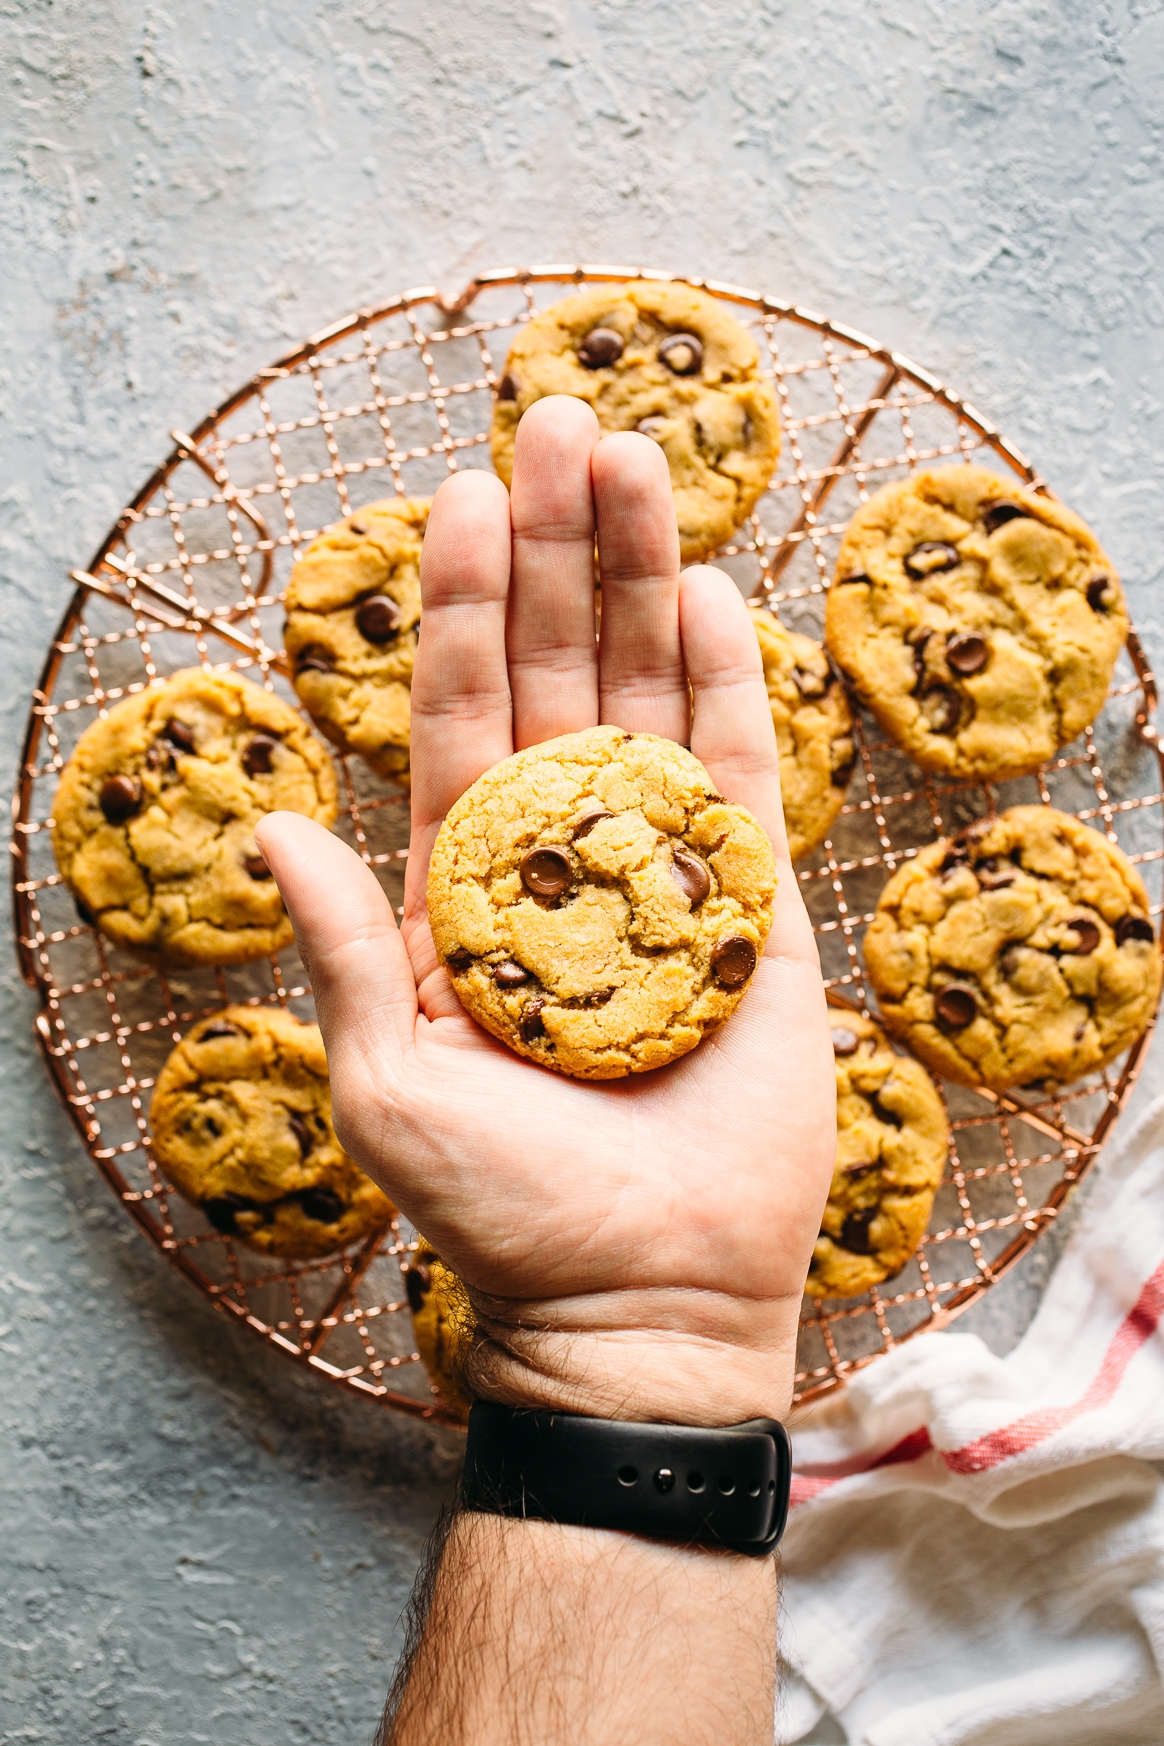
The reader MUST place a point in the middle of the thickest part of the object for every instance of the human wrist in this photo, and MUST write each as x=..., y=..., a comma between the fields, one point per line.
x=649, y=1375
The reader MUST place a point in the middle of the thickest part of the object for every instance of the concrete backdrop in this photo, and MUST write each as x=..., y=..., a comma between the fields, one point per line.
x=198, y=1544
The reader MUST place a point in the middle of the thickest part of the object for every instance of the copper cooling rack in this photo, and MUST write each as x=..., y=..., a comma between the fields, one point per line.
x=391, y=400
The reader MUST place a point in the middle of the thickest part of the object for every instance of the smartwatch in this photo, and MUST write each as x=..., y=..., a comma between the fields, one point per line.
x=727, y=1486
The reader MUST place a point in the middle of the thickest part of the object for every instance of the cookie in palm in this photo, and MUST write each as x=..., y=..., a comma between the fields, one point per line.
x=443, y=1322
x=353, y=618
x=155, y=817
x=597, y=904
x=668, y=361
x=814, y=731
x=892, y=1146
x=241, y=1124
x=979, y=621
x=1019, y=953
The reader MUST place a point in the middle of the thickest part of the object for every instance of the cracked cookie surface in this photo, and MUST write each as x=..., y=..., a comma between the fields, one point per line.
x=442, y=1321
x=241, y=1123
x=598, y=906
x=1017, y=954
x=978, y=621
x=667, y=360
x=353, y=617
x=892, y=1146
x=814, y=731
x=156, y=812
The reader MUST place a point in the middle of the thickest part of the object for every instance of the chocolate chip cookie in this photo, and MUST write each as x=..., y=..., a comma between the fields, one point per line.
x=1019, y=953
x=353, y=617
x=814, y=731
x=892, y=1144
x=598, y=906
x=978, y=621
x=156, y=810
x=666, y=360
x=241, y=1123
x=443, y=1322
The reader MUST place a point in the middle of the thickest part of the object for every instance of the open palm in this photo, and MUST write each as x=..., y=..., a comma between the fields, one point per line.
x=635, y=1243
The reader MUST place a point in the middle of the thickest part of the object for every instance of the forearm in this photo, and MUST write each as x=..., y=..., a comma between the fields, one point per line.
x=546, y=1634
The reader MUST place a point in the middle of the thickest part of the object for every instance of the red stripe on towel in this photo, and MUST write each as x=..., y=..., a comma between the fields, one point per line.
x=1137, y=1327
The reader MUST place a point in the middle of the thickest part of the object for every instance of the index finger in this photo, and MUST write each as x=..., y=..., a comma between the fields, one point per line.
x=462, y=717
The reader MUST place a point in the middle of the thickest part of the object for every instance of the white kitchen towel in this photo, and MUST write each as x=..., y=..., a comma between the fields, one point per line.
x=975, y=1553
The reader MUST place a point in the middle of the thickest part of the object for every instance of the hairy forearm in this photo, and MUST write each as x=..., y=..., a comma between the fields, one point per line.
x=548, y=1635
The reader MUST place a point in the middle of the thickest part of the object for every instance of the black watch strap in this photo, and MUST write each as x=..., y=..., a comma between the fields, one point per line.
x=727, y=1487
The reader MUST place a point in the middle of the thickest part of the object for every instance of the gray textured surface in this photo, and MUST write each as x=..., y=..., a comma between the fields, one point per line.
x=199, y=1545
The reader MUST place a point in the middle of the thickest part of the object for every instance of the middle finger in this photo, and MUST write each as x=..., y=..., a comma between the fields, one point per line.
x=549, y=632
x=642, y=677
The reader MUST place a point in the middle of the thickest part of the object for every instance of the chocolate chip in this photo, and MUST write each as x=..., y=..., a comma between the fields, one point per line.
x=931, y=557
x=531, y=1026
x=967, y=653
x=996, y=515
x=856, y=1171
x=257, y=867
x=652, y=427
x=919, y=658
x=682, y=353
x=156, y=759
x=857, y=576
x=955, y=1006
x=417, y=1285
x=302, y=1133
x=1010, y=963
x=733, y=961
x=942, y=709
x=378, y=619
x=1087, y=934
x=314, y=661
x=358, y=527
x=845, y=1041
x=458, y=960
x=179, y=734
x=855, y=1234
x=883, y=1112
x=809, y=684
x=602, y=346
x=256, y=759
x=1097, y=594
x=691, y=876
x=219, y=1028
x=120, y=798
x=992, y=877
x=587, y=823
x=84, y=913
x=956, y=855
x=221, y=1210
x=507, y=387
x=1134, y=927
x=546, y=872
x=510, y=975
x=323, y=1205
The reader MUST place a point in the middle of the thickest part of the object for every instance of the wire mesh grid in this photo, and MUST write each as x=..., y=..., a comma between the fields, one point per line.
x=390, y=401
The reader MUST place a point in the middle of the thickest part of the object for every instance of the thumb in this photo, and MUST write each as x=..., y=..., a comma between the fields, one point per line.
x=348, y=939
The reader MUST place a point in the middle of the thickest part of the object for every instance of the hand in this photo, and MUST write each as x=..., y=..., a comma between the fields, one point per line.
x=635, y=1248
